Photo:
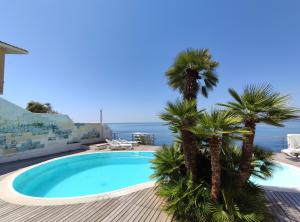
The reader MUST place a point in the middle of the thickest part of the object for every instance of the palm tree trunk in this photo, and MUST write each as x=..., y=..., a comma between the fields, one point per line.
x=215, y=149
x=247, y=151
x=190, y=88
x=190, y=148
x=190, y=153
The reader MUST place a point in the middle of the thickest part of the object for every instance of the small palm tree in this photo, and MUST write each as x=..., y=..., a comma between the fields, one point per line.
x=215, y=126
x=257, y=104
x=180, y=116
x=167, y=164
x=188, y=201
x=193, y=70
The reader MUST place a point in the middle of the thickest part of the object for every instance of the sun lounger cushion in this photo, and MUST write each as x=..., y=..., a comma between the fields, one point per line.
x=291, y=152
x=293, y=141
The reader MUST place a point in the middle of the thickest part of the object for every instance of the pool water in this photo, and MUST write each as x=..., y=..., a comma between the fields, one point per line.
x=87, y=174
x=284, y=176
x=97, y=173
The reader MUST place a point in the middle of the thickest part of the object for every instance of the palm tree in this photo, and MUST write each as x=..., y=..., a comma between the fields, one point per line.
x=257, y=104
x=188, y=201
x=215, y=126
x=180, y=116
x=192, y=70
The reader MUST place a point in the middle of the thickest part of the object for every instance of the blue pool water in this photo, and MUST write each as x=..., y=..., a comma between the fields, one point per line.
x=85, y=174
x=273, y=138
x=284, y=176
x=98, y=173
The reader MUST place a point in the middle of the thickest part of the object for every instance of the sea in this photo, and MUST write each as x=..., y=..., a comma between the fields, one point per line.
x=270, y=137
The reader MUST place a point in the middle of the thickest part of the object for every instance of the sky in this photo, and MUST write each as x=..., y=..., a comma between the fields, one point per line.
x=85, y=55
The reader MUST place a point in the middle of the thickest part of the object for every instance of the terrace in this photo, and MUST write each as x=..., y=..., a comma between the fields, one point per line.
x=142, y=205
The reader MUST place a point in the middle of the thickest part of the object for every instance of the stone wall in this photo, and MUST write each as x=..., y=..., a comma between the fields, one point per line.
x=24, y=134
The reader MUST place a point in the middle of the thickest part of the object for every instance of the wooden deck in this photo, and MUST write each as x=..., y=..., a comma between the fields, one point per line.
x=285, y=206
x=141, y=206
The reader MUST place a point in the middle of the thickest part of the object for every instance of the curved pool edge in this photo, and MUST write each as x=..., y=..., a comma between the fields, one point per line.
x=12, y=196
x=283, y=189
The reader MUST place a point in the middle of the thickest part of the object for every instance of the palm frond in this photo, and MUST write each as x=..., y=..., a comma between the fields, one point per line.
x=198, y=60
x=261, y=104
x=218, y=123
x=180, y=115
x=167, y=163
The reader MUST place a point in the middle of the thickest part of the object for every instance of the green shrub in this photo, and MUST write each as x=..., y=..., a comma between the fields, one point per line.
x=168, y=164
x=190, y=202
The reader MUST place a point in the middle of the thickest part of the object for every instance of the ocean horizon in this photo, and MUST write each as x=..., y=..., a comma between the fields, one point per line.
x=270, y=137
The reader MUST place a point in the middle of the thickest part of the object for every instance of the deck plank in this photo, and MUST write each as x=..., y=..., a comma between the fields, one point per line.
x=100, y=210
x=21, y=216
x=118, y=212
x=141, y=209
x=88, y=210
x=134, y=209
x=283, y=207
x=276, y=209
x=150, y=209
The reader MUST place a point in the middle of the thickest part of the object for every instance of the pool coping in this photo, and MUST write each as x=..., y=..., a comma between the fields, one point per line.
x=12, y=196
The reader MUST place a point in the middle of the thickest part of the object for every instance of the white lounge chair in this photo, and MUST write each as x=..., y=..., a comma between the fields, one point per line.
x=115, y=145
x=101, y=146
x=133, y=143
x=293, y=145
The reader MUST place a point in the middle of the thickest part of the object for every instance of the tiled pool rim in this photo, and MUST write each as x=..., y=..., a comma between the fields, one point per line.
x=12, y=196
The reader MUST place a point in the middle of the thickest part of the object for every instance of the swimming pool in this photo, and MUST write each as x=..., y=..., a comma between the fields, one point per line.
x=98, y=173
x=284, y=175
x=86, y=174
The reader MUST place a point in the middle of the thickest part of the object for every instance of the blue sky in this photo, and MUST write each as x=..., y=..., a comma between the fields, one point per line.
x=87, y=55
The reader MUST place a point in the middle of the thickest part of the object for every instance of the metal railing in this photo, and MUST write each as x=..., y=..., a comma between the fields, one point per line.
x=142, y=138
